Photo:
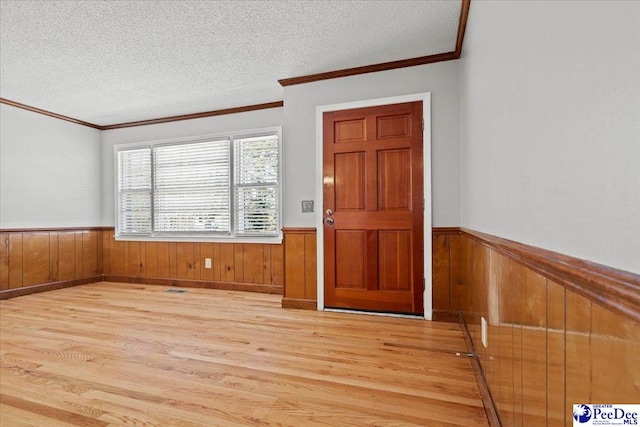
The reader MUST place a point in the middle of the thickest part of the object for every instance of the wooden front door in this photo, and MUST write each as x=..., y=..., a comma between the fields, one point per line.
x=373, y=208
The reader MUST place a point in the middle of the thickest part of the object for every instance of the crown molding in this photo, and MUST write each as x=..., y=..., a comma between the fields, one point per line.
x=384, y=66
x=212, y=113
x=462, y=26
x=48, y=113
x=233, y=110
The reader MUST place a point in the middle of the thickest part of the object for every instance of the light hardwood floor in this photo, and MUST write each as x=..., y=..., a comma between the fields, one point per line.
x=110, y=354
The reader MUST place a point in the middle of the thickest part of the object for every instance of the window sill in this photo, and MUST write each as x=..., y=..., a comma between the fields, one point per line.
x=271, y=240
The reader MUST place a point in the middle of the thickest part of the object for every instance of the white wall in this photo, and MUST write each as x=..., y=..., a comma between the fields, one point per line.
x=183, y=129
x=550, y=126
x=300, y=101
x=49, y=172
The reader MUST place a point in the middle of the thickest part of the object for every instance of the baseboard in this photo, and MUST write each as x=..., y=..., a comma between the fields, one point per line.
x=487, y=400
x=28, y=290
x=303, y=304
x=229, y=286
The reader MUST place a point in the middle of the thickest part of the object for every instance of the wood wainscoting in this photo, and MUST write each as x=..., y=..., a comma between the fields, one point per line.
x=556, y=333
x=300, y=288
x=37, y=260
x=447, y=285
x=45, y=259
x=234, y=266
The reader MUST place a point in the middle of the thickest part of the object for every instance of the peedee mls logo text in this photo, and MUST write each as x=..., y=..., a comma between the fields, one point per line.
x=605, y=415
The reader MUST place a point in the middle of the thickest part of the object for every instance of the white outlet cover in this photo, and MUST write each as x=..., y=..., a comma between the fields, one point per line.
x=207, y=263
x=483, y=322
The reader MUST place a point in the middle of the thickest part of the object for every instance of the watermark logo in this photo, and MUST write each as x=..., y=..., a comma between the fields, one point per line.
x=581, y=413
x=585, y=415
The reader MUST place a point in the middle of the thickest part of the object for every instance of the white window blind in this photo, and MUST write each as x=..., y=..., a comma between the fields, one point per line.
x=134, y=191
x=192, y=187
x=256, y=185
x=222, y=186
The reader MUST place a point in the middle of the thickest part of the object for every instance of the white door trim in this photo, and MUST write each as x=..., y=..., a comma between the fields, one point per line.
x=425, y=97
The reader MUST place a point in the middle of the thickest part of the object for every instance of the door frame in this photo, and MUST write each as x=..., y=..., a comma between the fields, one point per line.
x=425, y=97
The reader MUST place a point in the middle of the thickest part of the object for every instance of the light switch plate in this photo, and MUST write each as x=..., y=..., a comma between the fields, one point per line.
x=307, y=206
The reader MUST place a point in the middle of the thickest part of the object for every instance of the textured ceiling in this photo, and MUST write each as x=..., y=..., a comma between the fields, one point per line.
x=109, y=62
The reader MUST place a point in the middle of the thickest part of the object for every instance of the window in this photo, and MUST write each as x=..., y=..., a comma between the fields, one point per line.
x=222, y=187
x=256, y=185
x=134, y=191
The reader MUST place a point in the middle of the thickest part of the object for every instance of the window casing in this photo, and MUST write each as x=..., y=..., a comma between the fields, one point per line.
x=216, y=188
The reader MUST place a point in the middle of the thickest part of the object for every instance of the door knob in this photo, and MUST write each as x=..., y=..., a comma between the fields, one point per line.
x=329, y=212
x=329, y=221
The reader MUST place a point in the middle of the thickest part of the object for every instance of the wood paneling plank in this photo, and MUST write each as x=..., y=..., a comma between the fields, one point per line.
x=277, y=265
x=35, y=263
x=516, y=277
x=143, y=257
x=266, y=263
x=4, y=261
x=184, y=260
x=555, y=355
x=615, y=344
x=78, y=235
x=173, y=260
x=151, y=259
x=99, y=255
x=253, y=263
x=66, y=256
x=163, y=259
x=456, y=284
x=493, y=325
x=238, y=262
x=294, y=266
x=197, y=260
x=216, y=263
x=227, y=262
x=534, y=356
x=508, y=279
x=126, y=258
x=15, y=260
x=441, y=275
x=310, y=267
x=90, y=253
x=54, y=256
x=577, y=351
x=107, y=239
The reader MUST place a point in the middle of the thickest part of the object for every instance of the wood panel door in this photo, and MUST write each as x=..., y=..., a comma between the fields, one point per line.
x=373, y=208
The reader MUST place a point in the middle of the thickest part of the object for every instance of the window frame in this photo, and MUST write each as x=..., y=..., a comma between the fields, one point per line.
x=207, y=236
